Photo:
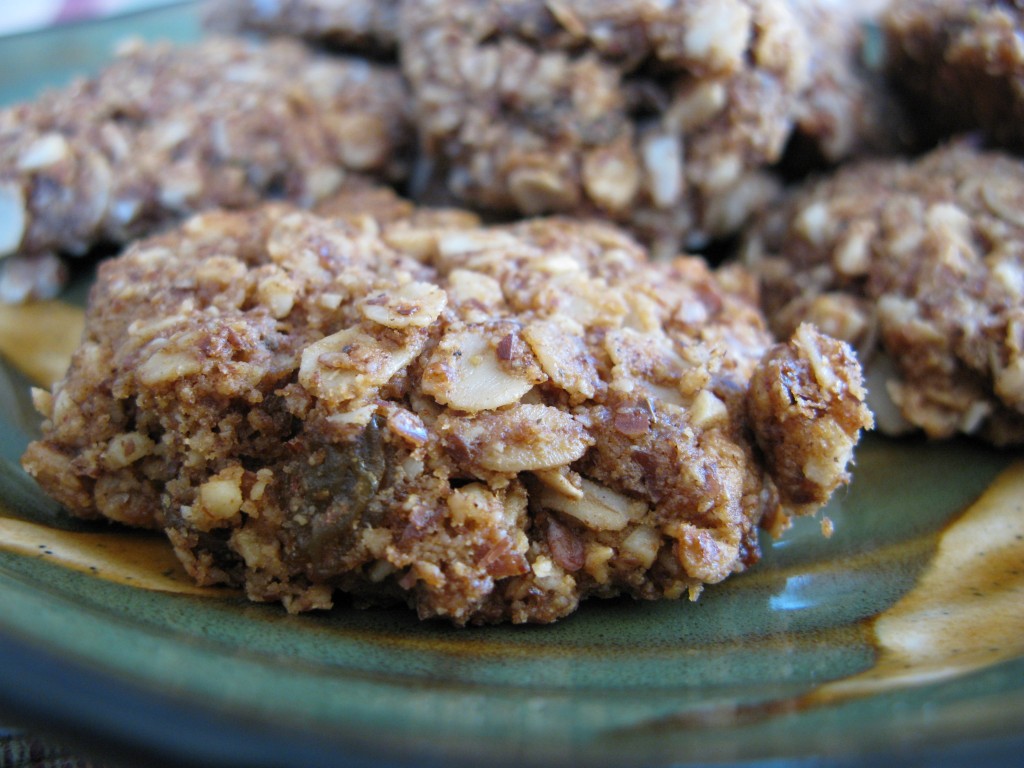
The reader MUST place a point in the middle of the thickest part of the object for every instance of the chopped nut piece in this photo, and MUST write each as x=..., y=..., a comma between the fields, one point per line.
x=125, y=449
x=596, y=561
x=642, y=544
x=163, y=367
x=708, y=410
x=278, y=292
x=219, y=499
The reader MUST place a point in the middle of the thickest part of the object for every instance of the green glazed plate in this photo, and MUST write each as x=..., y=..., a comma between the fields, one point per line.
x=899, y=640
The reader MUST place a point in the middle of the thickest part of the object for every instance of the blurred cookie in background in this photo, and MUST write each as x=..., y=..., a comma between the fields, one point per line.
x=918, y=264
x=660, y=117
x=165, y=131
x=367, y=26
x=960, y=65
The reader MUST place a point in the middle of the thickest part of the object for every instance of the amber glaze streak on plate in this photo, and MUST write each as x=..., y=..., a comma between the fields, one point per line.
x=135, y=558
x=38, y=339
x=964, y=613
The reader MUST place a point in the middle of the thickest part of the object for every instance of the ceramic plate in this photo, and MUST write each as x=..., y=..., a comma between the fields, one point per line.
x=898, y=640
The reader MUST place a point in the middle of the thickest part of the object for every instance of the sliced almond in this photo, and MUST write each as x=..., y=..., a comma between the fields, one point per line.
x=642, y=544
x=600, y=508
x=524, y=438
x=165, y=366
x=352, y=363
x=560, y=350
x=48, y=149
x=413, y=304
x=465, y=373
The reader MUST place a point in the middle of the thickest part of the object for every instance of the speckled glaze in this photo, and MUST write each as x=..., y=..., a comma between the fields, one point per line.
x=899, y=640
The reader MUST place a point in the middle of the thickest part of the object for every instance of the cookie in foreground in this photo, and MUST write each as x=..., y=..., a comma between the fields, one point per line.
x=488, y=424
x=918, y=264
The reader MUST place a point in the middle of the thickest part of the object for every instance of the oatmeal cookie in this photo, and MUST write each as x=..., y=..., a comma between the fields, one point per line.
x=489, y=424
x=166, y=131
x=961, y=65
x=847, y=109
x=919, y=265
x=363, y=202
x=656, y=115
x=369, y=26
